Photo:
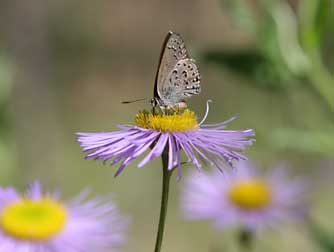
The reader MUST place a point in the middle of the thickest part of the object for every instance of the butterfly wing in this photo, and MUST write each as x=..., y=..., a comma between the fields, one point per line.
x=173, y=50
x=181, y=82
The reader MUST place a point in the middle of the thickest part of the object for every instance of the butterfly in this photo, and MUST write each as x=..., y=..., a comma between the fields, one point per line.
x=177, y=77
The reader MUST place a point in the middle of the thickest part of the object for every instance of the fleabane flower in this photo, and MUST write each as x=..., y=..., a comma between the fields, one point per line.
x=39, y=222
x=243, y=198
x=171, y=132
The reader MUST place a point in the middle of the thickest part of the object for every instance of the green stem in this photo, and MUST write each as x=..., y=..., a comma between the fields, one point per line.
x=246, y=240
x=319, y=76
x=164, y=201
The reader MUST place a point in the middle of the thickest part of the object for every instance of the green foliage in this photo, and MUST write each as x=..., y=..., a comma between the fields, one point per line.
x=250, y=63
x=289, y=44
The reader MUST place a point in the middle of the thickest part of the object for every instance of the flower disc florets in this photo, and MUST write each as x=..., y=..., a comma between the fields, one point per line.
x=250, y=194
x=33, y=219
x=174, y=122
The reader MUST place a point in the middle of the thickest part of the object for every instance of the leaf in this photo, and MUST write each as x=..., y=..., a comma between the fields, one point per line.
x=252, y=63
x=245, y=61
x=287, y=31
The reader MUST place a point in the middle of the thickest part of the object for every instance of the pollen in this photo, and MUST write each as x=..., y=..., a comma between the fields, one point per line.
x=252, y=194
x=175, y=122
x=37, y=220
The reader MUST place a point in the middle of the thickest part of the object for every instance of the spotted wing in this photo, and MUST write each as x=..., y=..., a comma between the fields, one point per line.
x=182, y=82
x=173, y=50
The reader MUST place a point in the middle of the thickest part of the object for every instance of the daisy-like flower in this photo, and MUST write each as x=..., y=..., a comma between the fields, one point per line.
x=40, y=222
x=173, y=132
x=243, y=198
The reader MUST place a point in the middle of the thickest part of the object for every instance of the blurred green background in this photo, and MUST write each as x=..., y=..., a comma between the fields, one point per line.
x=65, y=66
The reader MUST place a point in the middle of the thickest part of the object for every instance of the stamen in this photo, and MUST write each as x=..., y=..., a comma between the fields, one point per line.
x=206, y=112
x=221, y=125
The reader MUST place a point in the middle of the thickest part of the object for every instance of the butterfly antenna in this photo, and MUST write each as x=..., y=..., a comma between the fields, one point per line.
x=128, y=102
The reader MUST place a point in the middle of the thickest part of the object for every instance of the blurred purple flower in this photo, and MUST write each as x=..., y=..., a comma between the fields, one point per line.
x=243, y=198
x=201, y=143
x=39, y=222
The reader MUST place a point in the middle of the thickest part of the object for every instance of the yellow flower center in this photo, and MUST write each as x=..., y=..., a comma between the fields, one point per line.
x=33, y=219
x=187, y=120
x=250, y=194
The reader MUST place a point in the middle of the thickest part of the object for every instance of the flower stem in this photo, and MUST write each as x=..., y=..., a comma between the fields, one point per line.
x=246, y=239
x=164, y=201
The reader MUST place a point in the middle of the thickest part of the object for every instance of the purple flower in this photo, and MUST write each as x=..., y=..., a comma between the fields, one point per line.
x=201, y=143
x=243, y=198
x=40, y=222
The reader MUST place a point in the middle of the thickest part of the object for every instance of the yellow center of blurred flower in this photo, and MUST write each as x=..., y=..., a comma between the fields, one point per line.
x=250, y=194
x=33, y=219
x=187, y=120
